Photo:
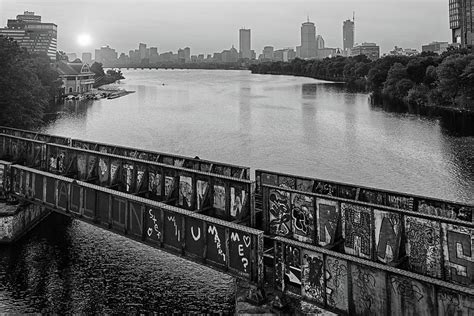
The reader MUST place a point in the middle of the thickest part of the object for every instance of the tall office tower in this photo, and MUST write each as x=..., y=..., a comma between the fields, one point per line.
x=142, y=50
x=319, y=42
x=28, y=31
x=244, y=44
x=348, y=35
x=308, y=40
x=461, y=22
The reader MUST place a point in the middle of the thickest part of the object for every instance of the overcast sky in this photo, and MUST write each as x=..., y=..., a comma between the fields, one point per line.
x=212, y=25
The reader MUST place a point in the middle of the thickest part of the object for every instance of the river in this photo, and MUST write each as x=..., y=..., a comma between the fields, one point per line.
x=288, y=124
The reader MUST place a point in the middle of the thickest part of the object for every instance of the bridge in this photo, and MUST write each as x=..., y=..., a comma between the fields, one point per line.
x=347, y=248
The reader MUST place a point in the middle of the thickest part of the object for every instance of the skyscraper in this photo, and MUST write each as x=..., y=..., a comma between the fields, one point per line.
x=461, y=22
x=308, y=40
x=28, y=31
x=348, y=35
x=244, y=44
x=319, y=42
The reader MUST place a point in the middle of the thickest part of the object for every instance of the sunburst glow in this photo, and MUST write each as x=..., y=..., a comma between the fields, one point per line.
x=84, y=39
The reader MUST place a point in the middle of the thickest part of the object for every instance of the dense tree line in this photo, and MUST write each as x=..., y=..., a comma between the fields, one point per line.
x=423, y=80
x=28, y=86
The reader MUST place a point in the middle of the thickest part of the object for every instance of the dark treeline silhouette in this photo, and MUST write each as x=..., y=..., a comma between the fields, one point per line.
x=103, y=78
x=28, y=86
x=415, y=83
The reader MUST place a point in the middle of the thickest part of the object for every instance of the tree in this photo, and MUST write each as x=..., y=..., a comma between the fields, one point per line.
x=24, y=86
x=97, y=69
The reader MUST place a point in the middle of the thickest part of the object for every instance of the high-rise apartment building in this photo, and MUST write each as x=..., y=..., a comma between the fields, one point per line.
x=348, y=35
x=461, y=22
x=28, y=31
x=308, y=40
x=244, y=44
x=105, y=55
x=319, y=42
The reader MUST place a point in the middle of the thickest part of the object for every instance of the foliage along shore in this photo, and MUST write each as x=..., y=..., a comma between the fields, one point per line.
x=427, y=84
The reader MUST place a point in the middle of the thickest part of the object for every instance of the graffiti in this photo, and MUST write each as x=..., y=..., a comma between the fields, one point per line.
x=336, y=283
x=406, y=289
x=91, y=167
x=6, y=227
x=347, y=192
x=197, y=236
x=464, y=213
x=202, y=188
x=237, y=201
x=312, y=278
x=53, y=163
x=279, y=213
x=423, y=245
x=243, y=248
x=219, y=197
x=292, y=276
x=364, y=286
x=373, y=197
x=82, y=166
x=179, y=162
x=155, y=229
x=2, y=167
x=128, y=175
x=177, y=231
x=454, y=304
x=169, y=186
x=458, y=249
x=185, y=191
x=302, y=217
x=286, y=182
x=140, y=179
x=387, y=235
x=304, y=185
x=212, y=230
x=328, y=217
x=154, y=183
x=103, y=170
x=61, y=162
x=326, y=188
x=279, y=266
x=400, y=202
x=357, y=230
x=114, y=168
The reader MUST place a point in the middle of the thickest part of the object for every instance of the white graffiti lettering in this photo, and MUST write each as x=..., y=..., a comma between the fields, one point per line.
x=177, y=232
x=196, y=238
x=155, y=225
x=213, y=231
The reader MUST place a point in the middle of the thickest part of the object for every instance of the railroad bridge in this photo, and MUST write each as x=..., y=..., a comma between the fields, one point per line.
x=346, y=248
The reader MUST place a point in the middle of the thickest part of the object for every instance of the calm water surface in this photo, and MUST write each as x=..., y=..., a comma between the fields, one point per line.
x=288, y=124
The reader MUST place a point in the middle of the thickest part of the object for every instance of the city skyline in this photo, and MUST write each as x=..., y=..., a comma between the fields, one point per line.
x=214, y=26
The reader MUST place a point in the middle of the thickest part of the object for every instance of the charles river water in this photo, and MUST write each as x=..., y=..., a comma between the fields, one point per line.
x=288, y=124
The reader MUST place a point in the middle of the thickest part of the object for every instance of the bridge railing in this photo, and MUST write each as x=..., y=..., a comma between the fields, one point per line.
x=354, y=286
x=225, y=246
x=216, y=195
x=421, y=243
x=230, y=170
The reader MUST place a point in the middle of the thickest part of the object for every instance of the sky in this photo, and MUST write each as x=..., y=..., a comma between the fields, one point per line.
x=213, y=25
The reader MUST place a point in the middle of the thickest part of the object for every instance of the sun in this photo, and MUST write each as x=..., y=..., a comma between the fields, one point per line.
x=84, y=39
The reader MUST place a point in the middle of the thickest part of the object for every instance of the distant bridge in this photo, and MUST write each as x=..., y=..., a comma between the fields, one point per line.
x=347, y=248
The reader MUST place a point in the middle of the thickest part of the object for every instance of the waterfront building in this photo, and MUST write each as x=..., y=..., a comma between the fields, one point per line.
x=30, y=33
x=326, y=53
x=76, y=77
x=245, y=44
x=285, y=54
x=142, y=50
x=461, y=22
x=105, y=55
x=154, y=54
x=435, y=47
x=348, y=35
x=87, y=58
x=230, y=55
x=319, y=42
x=398, y=51
x=308, y=40
x=371, y=50
x=267, y=53
x=184, y=55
